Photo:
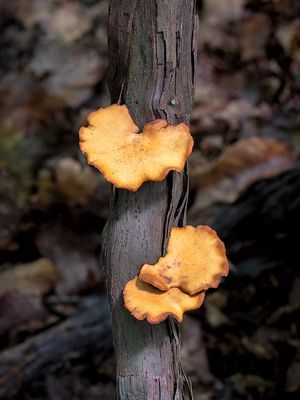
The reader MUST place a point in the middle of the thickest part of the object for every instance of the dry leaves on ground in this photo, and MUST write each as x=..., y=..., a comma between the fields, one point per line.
x=239, y=166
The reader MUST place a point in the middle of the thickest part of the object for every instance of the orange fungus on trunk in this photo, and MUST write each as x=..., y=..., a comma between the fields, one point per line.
x=195, y=261
x=145, y=301
x=126, y=158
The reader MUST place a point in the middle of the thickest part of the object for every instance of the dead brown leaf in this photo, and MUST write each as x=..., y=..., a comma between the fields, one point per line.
x=73, y=255
x=15, y=309
x=222, y=116
x=68, y=73
x=34, y=278
x=21, y=291
x=258, y=349
x=291, y=306
x=254, y=34
x=72, y=183
x=12, y=208
x=243, y=383
x=75, y=183
x=238, y=111
x=288, y=36
x=241, y=164
x=213, y=21
x=67, y=22
x=214, y=303
x=293, y=377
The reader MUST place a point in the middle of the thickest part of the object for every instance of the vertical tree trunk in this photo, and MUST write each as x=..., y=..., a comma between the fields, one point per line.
x=152, y=57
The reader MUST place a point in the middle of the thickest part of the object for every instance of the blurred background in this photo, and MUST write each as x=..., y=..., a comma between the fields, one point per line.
x=55, y=341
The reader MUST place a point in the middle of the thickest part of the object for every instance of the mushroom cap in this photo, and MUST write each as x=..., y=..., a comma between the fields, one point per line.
x=145, y=301
x=127, y=159
x=195, y=261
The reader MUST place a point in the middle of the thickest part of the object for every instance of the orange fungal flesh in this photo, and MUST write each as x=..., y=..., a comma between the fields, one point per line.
x=195, y=261
x=127, y=159
x=145, y=301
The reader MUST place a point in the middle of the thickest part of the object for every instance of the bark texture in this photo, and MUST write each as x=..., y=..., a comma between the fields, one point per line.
x=152, y=56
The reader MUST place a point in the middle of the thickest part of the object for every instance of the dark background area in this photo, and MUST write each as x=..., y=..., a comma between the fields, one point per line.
x=55, y=341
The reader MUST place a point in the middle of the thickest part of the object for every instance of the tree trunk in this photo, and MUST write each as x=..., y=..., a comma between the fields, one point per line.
x=152, y=56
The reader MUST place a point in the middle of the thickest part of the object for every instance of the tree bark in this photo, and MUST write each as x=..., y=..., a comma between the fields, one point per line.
x=152, y=56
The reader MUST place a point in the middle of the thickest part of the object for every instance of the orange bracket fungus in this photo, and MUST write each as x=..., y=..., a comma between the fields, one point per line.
x=145, y=301
x=127, y=159
x=195, y=261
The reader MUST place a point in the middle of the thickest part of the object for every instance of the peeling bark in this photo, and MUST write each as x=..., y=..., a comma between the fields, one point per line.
x=152, y=55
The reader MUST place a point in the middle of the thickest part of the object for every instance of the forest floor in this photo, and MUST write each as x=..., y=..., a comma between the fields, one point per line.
x=55, y=340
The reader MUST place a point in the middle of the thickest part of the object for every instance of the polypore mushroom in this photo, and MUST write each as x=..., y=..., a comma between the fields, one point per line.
x=195, y=261
x=127, y=159
x=145, y=301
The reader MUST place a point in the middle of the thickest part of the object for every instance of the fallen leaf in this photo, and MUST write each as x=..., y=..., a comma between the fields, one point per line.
x=239, y=166
x=238, y=111
x=63, y=21
x=13, y=205
x=257, y=348
x=213, y=305
x=68, y=73
x=214, y=10
x=243, y=383
x=253, y=36
x=66, y=22
x=19, y=155
x=214, y=18
x=73, y=256
x=15, y=309
x=28, y=105
x=288, y=36
x=221, y=116
x=76, y=183
x=34, y=278
x=293, y=377
x=290, y=307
